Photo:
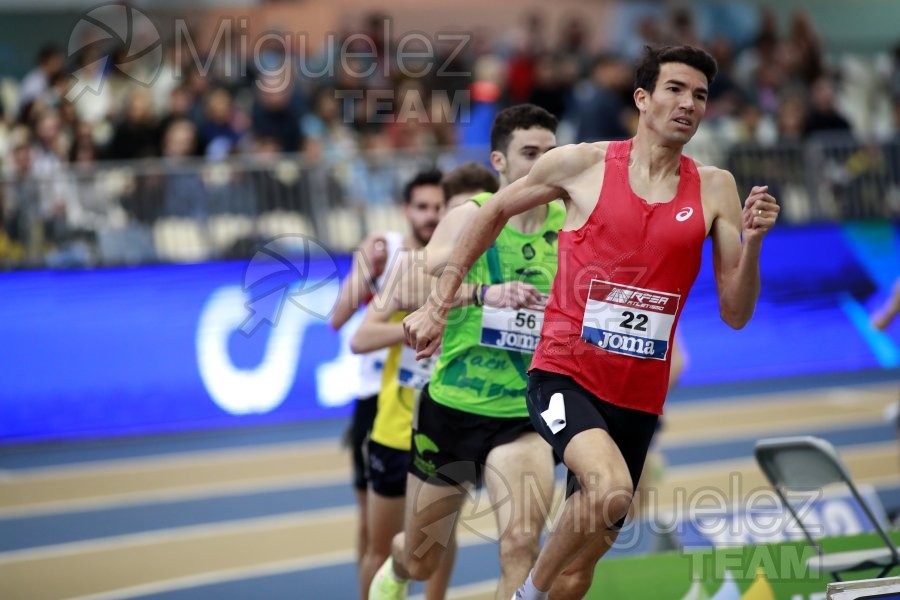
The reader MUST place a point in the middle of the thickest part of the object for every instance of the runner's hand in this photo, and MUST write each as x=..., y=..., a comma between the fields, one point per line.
x=760, y=213
x=373, y=254
x=424, y=331
x=514, y=294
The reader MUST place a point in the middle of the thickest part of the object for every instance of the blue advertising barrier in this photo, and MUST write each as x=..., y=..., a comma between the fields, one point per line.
x=763, y=520
x=149, y=349
x=172, y=347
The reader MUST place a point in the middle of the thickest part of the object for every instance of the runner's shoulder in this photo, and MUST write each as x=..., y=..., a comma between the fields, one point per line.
x=570, y=161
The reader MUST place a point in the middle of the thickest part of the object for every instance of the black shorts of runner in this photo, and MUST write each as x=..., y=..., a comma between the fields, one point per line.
x=361, y=422
x=387, y=470
x=631, y=430
x=450, y=446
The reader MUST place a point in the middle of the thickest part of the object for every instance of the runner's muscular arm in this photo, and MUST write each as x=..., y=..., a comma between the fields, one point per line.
x=545, y=183
x=736, y=263
x=417, y=272
x=358, y=287
x=415, y=278
x=376, y=330
x=408, y=283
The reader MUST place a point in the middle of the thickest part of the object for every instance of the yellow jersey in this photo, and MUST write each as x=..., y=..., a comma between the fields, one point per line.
x=393, y=421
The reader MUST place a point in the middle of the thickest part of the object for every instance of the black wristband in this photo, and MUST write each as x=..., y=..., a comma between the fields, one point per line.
x=475, y=299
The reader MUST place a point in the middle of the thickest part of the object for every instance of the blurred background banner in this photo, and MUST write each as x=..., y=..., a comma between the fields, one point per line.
x=157, y=348
x=162, y=348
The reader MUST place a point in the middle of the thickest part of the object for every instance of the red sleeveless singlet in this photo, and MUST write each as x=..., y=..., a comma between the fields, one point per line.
x=622, y=282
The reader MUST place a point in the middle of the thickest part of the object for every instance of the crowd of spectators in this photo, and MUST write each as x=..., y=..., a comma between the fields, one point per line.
x=780, y=88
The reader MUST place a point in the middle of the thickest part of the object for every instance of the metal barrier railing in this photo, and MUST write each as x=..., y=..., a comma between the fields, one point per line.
x=152, y=211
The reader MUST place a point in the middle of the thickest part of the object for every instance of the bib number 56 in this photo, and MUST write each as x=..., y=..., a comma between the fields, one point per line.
x=525, y=320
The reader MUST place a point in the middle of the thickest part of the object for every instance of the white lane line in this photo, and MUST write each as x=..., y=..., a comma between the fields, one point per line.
x=262, y=570
x=190, y=532
x=198, y=458
x=211, y=490
x=226, y=575
x=466, y=591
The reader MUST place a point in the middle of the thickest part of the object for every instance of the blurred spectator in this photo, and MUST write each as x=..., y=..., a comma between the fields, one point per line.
x=792, y=119
x=180, y=106
x=804, y=49
x=169, y=76
x=574, y=37
x=550, y=90
x=185, y=193
x=69, y=119
x=647, y=33
x=50, y=145
x=92, y=97
x=319, y=189
x=753, y=126
x=373, y=181
x=136, y=135
x=409, y=128
x=276, y=182
x=682, y=27
x=724, y=95
x=54, y=95
x=823, y=114
x=98, y=206
x=761, y=53
x=521, y=66
x=276, y=114
x=218, y=134
x=484, y=94
x=22, y=212
x=325, y=124
x=894, y=85
x=49, y=63
x=601, y=103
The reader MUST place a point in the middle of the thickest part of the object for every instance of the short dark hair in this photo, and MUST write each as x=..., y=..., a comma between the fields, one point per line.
x=469, y=177
x=647, y=71
x=428, y=177
x=48, y=51
x=520, y=116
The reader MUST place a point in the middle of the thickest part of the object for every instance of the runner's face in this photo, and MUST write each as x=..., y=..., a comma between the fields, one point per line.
x=677, y=105
x=525, y=147
x=424, y=210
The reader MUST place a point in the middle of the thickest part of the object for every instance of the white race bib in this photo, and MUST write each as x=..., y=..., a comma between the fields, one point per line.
x=511, y=328
x=414, y=373
x=629, y=320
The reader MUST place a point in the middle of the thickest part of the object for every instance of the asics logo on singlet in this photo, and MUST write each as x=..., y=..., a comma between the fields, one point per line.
x=684, y=214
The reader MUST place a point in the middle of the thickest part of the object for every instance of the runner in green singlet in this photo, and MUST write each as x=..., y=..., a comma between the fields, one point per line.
x=472, y=423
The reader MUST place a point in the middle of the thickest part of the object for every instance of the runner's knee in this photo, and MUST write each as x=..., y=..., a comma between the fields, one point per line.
x=573, y=583
x=519, y=547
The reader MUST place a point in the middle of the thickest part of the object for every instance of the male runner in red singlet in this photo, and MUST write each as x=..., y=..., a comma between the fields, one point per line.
x=637, y=214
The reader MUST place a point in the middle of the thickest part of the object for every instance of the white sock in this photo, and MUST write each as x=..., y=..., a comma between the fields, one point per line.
x=529, y=592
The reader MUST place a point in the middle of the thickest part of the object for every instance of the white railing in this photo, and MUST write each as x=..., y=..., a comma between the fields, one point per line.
x=159, y=210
